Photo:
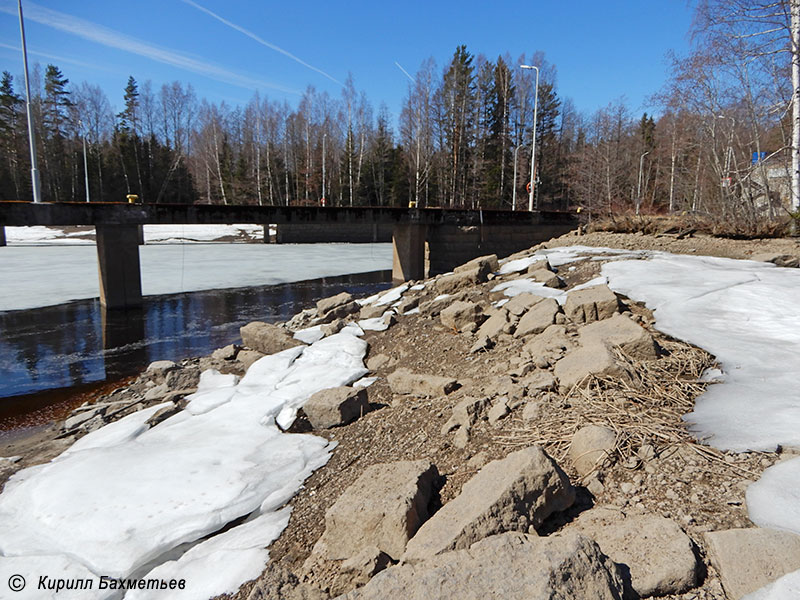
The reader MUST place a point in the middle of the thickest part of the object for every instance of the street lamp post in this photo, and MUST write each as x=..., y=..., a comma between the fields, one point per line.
x=323, y=202
x=85, y=163
x=533, y=141
x=639, y=185
x=514, y=195
x=37, y=192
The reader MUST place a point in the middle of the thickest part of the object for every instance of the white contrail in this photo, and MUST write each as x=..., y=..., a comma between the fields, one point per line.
x=61, y=59
x=115, y=39
x=260, y=40
x=404, y=71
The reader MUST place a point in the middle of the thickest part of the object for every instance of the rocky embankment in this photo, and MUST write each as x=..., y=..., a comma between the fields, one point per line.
x=522, y=447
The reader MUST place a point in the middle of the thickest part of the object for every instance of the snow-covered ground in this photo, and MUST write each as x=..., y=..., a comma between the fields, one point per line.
x=46, y=275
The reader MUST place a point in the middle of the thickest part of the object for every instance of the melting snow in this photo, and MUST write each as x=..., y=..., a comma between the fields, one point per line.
x=123, y=498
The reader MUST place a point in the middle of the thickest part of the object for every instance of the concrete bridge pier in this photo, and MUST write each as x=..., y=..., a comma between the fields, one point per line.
x=408, y=251
x=118, y=261
x=2, y=236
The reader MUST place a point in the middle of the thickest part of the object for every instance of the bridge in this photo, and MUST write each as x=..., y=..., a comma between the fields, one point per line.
x=442, y=238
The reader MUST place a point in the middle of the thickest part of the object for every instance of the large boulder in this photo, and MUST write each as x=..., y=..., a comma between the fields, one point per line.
x=547, y=277
x=590, y=446
x=549, y=346
x=512, y=494
x=538, y=318
x=520, y=303
x=383, y=508
x=461, y=316
x=748, y=559
x=336, y=406
x=619, y=330
x=592, y=359
x=511, y=566
x=326, y=305
x=267, y=338
x=403, y=381
x=484, y=264
x=591, y=304
x=447, y=284
x=658, y=554
x=492, y=327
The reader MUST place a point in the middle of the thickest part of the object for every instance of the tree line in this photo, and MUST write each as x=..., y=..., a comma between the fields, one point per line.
x=721, y=143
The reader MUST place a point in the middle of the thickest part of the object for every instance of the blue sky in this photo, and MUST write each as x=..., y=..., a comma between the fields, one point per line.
x=228, y=50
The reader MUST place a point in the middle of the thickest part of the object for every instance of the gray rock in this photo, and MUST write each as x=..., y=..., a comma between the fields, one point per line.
x=407, y=304
x=511, y=494
x=156, y=392
x=519, y=304
x=370, y=311
x=267, y=338
x=549, y=346
x=461, y=437
x=538, y=318
x=591, y=304
x=484, y=264
x=248, y=357
x=533, y=411
x=511, y=566
x=328, y=304
x=547, y=277
x=578, y=364
x=781, y=260
x=379, y=361
x=538, y=265
x=226, y=353
x=403, y=381
x=538, y=381
x=461, y=315
x=160, y=368
x=165, y=413
x=748, y=559
x=498, y=411
x=493, y=326
x=590, y=447
x=339, y=312
x=362, y=567
x=185, y=378
x=658, y=553
x=447, y=284
x=383, y=508
x=336, y=406
x=620, y=330
x=465, y=414
x=333, y=327
x=432, y=308
x=76, y=420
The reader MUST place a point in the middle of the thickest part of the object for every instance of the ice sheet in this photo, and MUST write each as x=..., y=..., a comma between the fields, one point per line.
x=45, y=276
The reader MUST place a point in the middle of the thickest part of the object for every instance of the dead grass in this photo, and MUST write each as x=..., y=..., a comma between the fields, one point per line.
x=644, y=410
x=686, y=224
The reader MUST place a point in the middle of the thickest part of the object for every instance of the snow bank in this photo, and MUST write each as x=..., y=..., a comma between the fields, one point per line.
x=126, y=496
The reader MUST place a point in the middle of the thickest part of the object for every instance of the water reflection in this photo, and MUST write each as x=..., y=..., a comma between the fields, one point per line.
x=79, y=342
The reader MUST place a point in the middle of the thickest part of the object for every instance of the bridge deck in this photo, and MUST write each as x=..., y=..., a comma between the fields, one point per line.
x=112, y=213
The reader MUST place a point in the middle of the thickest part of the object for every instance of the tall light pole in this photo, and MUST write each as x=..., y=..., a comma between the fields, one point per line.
x=639, y=185
x=514, y=195
x=85, y=163
x=37, y=192
x=533, y=141
x=324, y=135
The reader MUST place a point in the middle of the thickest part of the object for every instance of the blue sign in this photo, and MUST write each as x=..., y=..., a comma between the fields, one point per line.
x=758, y=157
